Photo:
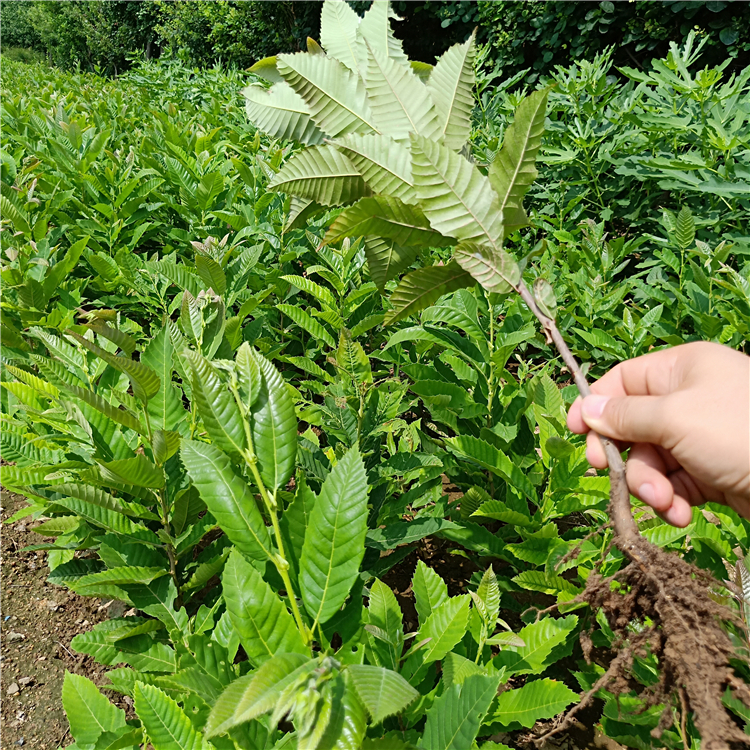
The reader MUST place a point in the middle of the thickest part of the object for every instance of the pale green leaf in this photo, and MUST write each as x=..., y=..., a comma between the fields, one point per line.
x=164, y=722
x=451, y=83
x=281, y=112
x=386, y=618
x=321, y=174
x=513, y=170
x=338, y=33
x=386, y=260
x=334, y=95
x=430, y=591
x=273, y=425
x=494, y=269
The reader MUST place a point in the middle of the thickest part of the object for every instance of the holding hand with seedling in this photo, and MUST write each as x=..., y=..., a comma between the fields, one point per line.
x=686, y=413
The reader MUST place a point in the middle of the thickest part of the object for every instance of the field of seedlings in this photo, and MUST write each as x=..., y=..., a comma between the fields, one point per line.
x=286, y=361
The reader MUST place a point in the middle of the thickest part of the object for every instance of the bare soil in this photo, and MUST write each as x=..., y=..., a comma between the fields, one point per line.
x=38, y=621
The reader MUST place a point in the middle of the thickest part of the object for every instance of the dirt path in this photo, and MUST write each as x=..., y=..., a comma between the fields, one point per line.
x=38, y=622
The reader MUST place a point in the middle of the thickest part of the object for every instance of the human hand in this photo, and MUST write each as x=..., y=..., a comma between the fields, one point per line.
x=686, y=413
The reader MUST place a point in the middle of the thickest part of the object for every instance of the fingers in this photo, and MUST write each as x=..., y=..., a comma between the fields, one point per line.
x=636, y=419
x=646, y=476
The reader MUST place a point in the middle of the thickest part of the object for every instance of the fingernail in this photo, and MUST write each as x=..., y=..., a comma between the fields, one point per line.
x=647, y=493
x=593, y=406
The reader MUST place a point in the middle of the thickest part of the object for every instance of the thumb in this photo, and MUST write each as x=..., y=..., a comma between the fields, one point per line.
x=633, y=419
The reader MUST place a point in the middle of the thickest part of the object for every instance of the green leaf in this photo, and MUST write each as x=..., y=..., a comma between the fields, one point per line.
x=89, y=713
x=308, y=323
x=248, y=375
x=144, y=380
x=453, y=721
x=424, y=287
x=216, y=406
x=386, y=619
x=387, y=260
x=260, y=618
x=499, y=511
x=316, y=290
x=455, y=196
x=430, y=591
x=120, y=338
x=684, y=229
x=384, y=164
x=331, y=556
x=106, y=518
x=450, y=85
x=456, y=668
x=383, y=691
x=334, y=95
x=321, y=174
x=165, y=409
x=348, y=719
x=540, y=638
x=489, y=592
x=273, y=426
x=541, y=699
x=211, y=272
x=164, y=722
x=228, y=499
x=493, y=459
x=351, y=358
x=138, y=471
x=91, y=584
x=383, y=216
x=180, y=275
x=494, y=270
x=255, y=694
x=444, y=628
x=400, y=102
x=266, y=69
x=513, y=170
x=125, y=418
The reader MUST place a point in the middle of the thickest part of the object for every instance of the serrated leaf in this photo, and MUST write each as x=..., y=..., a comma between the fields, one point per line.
x=228, y=498
x=494, y=269
x=120, y=338
x=125, y=418
x=164, y=722
x=386, y=618
x=138, y=471
x=513, y=170
x=248, y=375
x=541, y=699
x=260, y=618
x=351, y=358
x=348, y=720
x=451, y=86
x=334, y=95
x=384, y=164
x=144, y=380
x=338, y=32
x=493, y=459
x=375, y=27
x=321, y=174
x=331, y=556
x=255, y=694
x=216, y=406
x=453, y=721
x=273, y=426
x=455, y=196
x=430, y=591
x=308, y=323
x=400, y=102
x=387, y=260
x=383, y=216
x=89, y=713
x=211, y=272
x=540, y=639
x=424, y=287
x=165, y=409
x=456, y=668
x=499, y=511
x=383, y=692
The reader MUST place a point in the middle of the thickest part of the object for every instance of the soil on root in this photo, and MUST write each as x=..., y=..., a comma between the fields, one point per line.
x=39, y=620
x=686, y=630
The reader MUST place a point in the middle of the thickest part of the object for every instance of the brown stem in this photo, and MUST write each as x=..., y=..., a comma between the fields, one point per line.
x=626, y=530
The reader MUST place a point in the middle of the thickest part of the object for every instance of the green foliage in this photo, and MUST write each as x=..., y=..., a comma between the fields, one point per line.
x=225, y=425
